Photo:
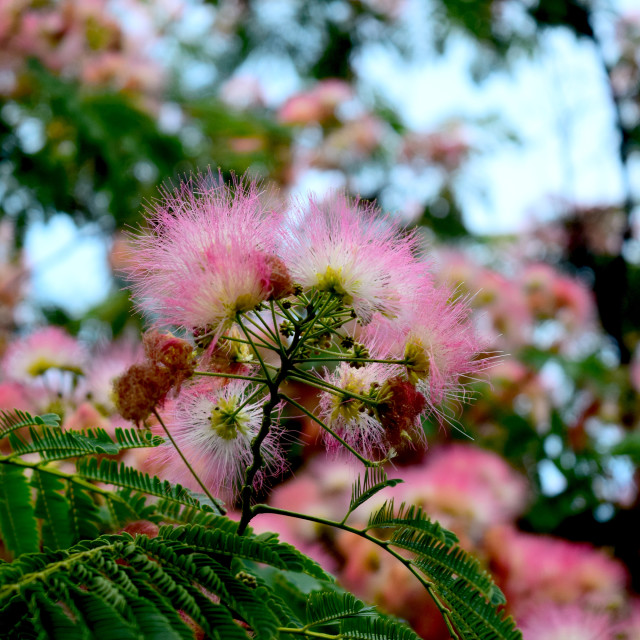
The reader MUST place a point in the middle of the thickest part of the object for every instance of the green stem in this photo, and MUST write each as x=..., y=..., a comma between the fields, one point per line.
x=264, y=326
x=191, y=469
x=304, y=631
x=315, y=317
x=216, y=374
x=234, y=339
x=384, y=544
x=347, y=359
x=247, y=401
x=275, y=326
x=247, y=333
x=287, y=314
x=319, y=383
x=365, y=461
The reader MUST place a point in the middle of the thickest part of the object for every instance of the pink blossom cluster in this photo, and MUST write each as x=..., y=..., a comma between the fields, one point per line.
x=352, y=134
x=211, y=253
x=447, y=148
x=78, y=39
x=49, y=370
x=515, y=305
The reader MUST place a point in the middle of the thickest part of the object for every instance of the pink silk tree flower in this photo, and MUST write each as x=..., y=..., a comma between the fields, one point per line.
x=214, y=424
x=346, y=248
x=48, y=348
x=568, y=622
x=206, y=254
x=438, y=344
x=358, y=422
x=533, y=569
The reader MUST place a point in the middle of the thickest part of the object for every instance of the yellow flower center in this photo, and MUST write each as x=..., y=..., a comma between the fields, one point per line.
x=417, y=361
x=333, y=281
x=227, y=421
x=345, y=406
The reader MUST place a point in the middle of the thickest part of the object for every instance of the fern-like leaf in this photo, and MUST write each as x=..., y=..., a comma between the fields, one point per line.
x=53, y=509
x=17, y=514
x=474, y=617
x=12, y=420
x=56, y=444
x=84, y=516
x=375, y=479
x=118, y=474
x=328, y=606
x=369, y=628
x=437, y=560
x=277, y=554
x=411, y=517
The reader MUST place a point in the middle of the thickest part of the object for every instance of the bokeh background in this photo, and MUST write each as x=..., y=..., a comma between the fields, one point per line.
x=506, y=131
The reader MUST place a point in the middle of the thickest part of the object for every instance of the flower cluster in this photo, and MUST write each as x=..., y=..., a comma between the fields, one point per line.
x=264, y=291
x=77, y=39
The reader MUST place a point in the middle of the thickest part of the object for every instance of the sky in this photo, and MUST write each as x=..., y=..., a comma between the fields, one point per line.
x=554, y=101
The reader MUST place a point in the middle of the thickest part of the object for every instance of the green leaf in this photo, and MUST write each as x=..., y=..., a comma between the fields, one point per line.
x=17, y=515
x=16, y=419
x=84, y=516
x=412, y=517
x=118, y=474
x=328, y=606
x=375, y=479
x=53, y=508
x=368, y=628
x=432, y=558
x=53, y=444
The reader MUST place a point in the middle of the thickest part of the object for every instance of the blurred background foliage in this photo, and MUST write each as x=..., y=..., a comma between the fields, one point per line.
x=101, y=101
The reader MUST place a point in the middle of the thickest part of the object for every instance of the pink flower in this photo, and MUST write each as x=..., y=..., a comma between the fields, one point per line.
x=438, y=344
x=354, y=420
x=48, y=348
x=14, y=395
x=206, y=255
x=533, y=568
x=316, y=105
x=108, y=364
x=629, y=627
x=569, y=622
x=466, y=488
x=214, y=425
x=346, y=248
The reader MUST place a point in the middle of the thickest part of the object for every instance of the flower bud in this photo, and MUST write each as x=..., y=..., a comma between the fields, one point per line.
x=140, y=389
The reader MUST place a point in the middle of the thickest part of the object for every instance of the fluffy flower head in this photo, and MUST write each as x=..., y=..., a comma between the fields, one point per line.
x=214, y=427
x=49, y=348
x=569, y=622
x=207, y=253
x=438, y=344
x=345, y=248
x=363, y=425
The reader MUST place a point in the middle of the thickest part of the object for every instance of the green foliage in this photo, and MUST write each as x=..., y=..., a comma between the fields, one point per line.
x=410, y=518
x=43, y=506
x=451, y=574
x=118, y=586
x=375, y=479
x=16, y=419
x=69, y=581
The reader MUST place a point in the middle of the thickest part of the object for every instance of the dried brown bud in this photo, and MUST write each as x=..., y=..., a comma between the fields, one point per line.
x=280, y=279
x=142, y=527
x=175, y=354
x=140, y=389
x=400, y=405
